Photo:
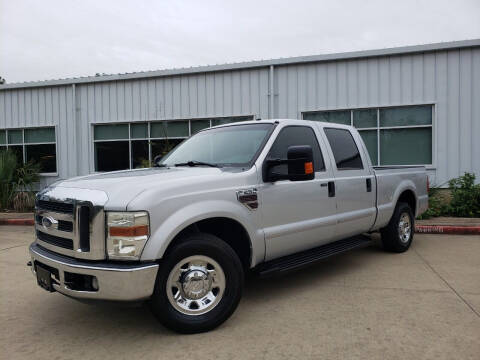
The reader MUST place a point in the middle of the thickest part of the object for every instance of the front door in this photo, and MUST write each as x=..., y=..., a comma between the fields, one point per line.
x=297, y=215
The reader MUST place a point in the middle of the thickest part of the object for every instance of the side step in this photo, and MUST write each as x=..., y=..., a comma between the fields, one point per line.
x=307, y=257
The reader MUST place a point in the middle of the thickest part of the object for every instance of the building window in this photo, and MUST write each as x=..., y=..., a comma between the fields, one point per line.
x=136, y=145
x=393, y=135
x=33, y=144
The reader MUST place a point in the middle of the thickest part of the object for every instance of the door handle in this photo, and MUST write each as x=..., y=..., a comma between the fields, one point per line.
x=331, y=189
x=369, y=185
x=323, y=184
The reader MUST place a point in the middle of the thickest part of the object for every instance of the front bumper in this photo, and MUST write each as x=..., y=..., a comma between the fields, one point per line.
x=122, y=282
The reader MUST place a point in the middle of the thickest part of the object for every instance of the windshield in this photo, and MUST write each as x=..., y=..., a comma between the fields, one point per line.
x=234, y=145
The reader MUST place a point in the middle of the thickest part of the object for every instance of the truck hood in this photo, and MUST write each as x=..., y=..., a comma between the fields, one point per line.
x=123, y=186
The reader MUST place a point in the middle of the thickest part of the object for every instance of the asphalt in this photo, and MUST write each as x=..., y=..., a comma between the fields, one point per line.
x=367, y=304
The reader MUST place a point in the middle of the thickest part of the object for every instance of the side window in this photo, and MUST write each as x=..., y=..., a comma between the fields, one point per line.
x=344, y=149
x=292, y=136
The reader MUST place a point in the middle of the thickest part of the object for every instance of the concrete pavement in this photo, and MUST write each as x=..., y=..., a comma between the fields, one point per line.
x=367, y=304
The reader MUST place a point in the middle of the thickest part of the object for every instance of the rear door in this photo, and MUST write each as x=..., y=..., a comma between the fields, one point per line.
x=355, y=190
x=297, y=215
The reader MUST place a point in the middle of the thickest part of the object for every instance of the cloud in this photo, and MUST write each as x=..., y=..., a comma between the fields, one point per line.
x=57, y=38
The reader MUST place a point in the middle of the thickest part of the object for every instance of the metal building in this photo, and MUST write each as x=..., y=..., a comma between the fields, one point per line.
x=413, y=105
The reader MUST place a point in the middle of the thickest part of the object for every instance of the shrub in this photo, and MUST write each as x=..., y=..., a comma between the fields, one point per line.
x=17, y=182
x=465, y=196
x=8, y=164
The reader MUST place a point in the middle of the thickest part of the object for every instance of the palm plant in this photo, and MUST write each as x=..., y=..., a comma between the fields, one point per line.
x=8, y=165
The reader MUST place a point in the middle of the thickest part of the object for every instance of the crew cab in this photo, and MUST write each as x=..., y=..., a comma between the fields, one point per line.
x=263, y=196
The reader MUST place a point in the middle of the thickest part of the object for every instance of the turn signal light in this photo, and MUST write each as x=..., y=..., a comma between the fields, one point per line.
x=308, y=167
x=131, y=231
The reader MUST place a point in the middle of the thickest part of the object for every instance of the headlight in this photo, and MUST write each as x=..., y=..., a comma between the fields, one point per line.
x=127, y=233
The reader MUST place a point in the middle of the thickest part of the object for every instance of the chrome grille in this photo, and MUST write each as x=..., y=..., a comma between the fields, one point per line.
x=71, y=222
x=55, y=240
x=65, y=208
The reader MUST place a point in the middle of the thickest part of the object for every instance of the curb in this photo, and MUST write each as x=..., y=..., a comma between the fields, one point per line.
x=447, y=229
x=17, y=222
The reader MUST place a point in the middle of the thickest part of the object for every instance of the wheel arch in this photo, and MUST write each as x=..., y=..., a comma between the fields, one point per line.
x=230, y=222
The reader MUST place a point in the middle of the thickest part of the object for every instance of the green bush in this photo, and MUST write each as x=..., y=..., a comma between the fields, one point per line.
x=464, y=199
x=17, y=182
x=8, y=164
x=465, y=196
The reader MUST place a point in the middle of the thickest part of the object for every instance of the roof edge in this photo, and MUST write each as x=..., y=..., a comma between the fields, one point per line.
x=251, y=64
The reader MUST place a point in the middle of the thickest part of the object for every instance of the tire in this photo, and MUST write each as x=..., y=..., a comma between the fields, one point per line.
x=210, y=281
x=395, y=239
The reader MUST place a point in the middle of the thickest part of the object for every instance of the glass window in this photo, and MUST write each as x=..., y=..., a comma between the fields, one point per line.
x=393, y=118
x=139, y=131
x=111, y=132
x=20, y=142
x=160, y=148
x=229, y=120
x=370, y=139
x=366, y=118
x=169, y=129
x=198, y=125
x=18, y=151
x=40, y=135
x=337, y=117
x=227, y=146
x=344, y=149
x=292, y=136
x=111, y=155
x=406, y=115
x=140, y=154
x=15, y=137
x=410, y=146
x=43, y=154
x=144, y=146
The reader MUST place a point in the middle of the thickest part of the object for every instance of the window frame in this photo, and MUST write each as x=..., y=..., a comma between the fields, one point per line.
x=24, y=144
x=378, y=128
x=149, y=138
x=362, y=161
x=324, y=170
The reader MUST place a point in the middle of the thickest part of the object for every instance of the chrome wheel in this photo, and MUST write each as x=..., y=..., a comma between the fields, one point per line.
x=404, y=228
x=195, y=285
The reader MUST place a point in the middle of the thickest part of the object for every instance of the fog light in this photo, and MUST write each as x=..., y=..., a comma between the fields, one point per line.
x=94, y=283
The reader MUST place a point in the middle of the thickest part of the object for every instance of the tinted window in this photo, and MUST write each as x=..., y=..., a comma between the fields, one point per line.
x=44, y=154
x=292, y=136
x=344, y=149
x=111, y=155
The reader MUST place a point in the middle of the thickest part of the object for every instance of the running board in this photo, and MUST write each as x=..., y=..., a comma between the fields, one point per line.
x=307, y=257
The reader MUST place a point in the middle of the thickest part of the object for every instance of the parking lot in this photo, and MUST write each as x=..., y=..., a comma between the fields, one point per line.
x=367, y=304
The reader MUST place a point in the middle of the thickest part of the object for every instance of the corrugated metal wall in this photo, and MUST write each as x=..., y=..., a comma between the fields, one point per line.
x=450, y=79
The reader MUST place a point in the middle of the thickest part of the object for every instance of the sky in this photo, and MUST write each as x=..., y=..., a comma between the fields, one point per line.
x=51, y=39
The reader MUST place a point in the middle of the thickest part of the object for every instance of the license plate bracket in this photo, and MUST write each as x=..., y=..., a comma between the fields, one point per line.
x=44, y=278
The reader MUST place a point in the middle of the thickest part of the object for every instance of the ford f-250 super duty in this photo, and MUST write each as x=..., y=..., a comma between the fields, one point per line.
x=267, y=196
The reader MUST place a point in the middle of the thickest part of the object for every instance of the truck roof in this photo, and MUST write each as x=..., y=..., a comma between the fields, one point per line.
x=286, y=122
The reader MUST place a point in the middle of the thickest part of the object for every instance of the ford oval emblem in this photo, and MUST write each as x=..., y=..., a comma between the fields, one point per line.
x=48, y=222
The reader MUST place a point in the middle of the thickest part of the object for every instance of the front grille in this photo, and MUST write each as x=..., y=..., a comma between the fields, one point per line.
x=54, y=206
x=62, y=224
x=55, y=240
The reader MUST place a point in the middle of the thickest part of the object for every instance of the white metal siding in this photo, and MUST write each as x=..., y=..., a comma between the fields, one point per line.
x=449, y=79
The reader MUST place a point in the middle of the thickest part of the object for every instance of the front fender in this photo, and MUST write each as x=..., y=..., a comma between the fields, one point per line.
x=164, y=234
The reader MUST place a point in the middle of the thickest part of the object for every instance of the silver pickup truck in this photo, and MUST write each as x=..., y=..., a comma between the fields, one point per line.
x=264, y=196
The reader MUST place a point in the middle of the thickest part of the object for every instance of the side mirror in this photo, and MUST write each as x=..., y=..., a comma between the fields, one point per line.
x=299, y=165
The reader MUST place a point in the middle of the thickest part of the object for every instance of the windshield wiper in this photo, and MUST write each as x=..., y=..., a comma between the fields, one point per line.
x=196, y=163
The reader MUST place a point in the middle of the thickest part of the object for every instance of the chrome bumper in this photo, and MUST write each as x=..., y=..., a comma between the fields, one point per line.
x=123, y=282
